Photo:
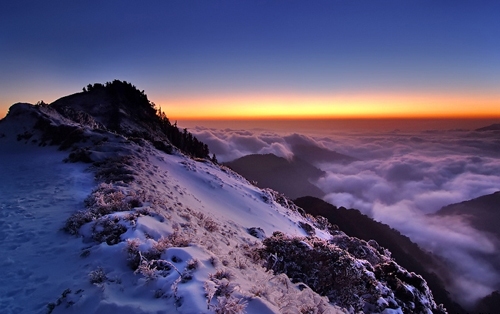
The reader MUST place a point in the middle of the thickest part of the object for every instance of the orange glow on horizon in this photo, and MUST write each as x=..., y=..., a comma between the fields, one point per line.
x=331, y=107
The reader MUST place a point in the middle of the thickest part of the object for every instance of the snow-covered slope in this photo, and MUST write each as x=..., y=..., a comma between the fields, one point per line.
x=112, y=224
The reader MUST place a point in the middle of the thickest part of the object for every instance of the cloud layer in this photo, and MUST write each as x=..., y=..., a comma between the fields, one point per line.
x=399, y=179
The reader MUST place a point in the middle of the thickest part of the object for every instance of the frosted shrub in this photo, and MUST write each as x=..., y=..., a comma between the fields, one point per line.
x=359, y=249
x=133, y=255
x=116, y=169
x=178, y=239
x=322, y=223
x=219, y=286
x=210, y=225
x=78, y=219
x=147, y=269
x=347, y=281
x=153, y=255
x=324, y=267
x=307, y=228
x=269, y=196
x=108, y=229
x=230, y=305
x=97, y=277
x=192, y=264
x=106, y=199
x=221, y=274
x=174, y=239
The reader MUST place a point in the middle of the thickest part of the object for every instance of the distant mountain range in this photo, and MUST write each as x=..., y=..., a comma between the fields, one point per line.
x=290, y=177
x=315, y=154
x=483, y=212
x=493, y=127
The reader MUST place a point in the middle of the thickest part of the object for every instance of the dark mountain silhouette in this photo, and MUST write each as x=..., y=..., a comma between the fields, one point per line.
x=314, y=154
x=493, y=127
x=489, y=304
x=290, y=177
x=483, y=212
x=120, y=107
x=404, y=251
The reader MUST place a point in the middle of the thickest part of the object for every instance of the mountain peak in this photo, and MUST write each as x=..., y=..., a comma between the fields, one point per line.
x=118, y=105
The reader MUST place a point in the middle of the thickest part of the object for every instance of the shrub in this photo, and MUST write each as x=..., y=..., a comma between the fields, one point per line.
x=210, y=225
x=108, y=230
x=230, y=305
x=221, y=274
x=349, y=271
x=78, y=219
x=307, y=228
x=324, y=267
x=97, y=277
x=103, y=201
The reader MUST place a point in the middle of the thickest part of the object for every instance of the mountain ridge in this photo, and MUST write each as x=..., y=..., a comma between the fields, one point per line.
x=164, y=230
x=290, y=177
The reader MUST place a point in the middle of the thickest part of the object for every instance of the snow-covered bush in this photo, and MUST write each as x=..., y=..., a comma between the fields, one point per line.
x=322, y=223
x=104, y=201
x=221, y=274
x=257, y=232
x=135, y=256
x=107, y=199
x=219, y=286
x=230, y=305
x=307, y=228
x=210, y=225
x=327, y=269
x=98, y=276
x=108, y=229
x=292, y=298
x=357, y=280
x=78, y=219
x=116, y=169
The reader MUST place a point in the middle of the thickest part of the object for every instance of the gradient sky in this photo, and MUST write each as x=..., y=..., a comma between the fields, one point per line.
x=216, y=59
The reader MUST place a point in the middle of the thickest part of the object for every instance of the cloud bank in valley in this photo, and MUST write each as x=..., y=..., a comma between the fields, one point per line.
x=399, y=179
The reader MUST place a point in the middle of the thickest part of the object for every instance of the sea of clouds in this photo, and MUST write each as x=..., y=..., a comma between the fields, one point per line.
x=399, y=179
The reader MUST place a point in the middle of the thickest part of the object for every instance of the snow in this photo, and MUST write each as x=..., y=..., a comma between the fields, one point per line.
x=46, y=268
x=37, y=194
x=182, y=247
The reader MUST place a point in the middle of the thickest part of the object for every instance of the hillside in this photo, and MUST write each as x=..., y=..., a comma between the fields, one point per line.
x=315, y=154
x=100, y=216
x=492, y=127
x=482, y=212
x=290, y=177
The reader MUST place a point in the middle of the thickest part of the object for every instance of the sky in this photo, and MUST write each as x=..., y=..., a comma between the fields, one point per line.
x=261, y=59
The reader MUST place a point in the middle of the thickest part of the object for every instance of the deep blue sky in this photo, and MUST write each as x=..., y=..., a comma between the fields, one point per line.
x=183, y=49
